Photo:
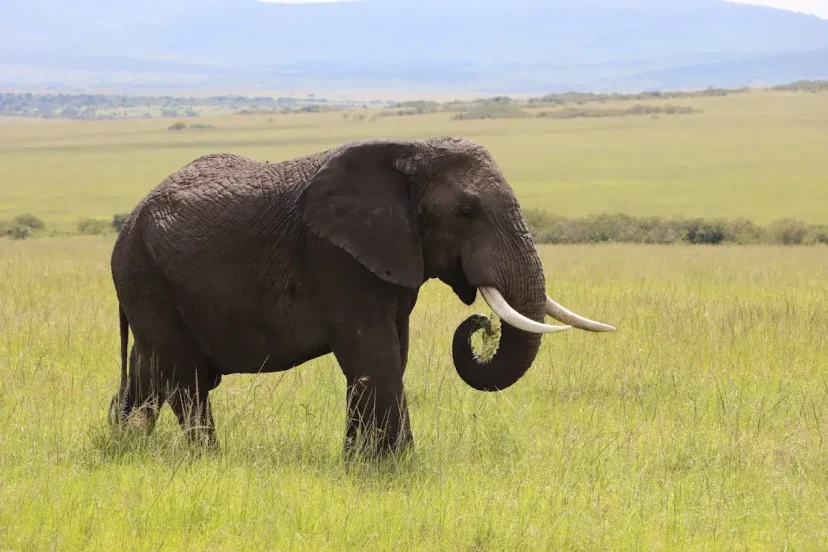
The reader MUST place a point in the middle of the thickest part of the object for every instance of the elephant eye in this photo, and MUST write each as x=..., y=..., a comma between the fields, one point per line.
x=465, y=211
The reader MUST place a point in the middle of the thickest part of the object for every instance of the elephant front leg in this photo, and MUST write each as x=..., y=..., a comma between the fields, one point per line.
x=377, y=417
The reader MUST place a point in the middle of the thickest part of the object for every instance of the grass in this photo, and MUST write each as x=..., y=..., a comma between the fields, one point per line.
x=700, y=424
x=758, y=155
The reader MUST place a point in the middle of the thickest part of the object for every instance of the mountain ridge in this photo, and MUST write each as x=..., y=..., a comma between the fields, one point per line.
x=525, y=45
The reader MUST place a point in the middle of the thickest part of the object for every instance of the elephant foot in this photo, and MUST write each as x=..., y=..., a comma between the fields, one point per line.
x=377, y=445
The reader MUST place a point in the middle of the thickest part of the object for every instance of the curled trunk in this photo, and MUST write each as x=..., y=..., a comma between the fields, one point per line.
x=514, y=356
x=520, y=281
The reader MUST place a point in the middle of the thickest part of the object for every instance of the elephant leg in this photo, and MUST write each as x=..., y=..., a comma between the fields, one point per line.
x=370, y=360
x=137, y=406
x=188, y=378
x=182, y=374
x=406, y=436
x=191, y=403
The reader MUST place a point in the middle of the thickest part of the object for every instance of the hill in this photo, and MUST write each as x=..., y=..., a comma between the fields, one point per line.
x=527, y=45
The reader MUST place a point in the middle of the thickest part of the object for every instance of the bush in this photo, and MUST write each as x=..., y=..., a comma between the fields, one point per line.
x=818, y=234
x=497, y=110
x=619, y=228
x=805, y=86
x=15, y=231
x=788, y=232
x=744, y=232
x=635, y=110
x=118, y=221
x=88, y=226
x=701, y=231
x=29, y=221
x=195, y=126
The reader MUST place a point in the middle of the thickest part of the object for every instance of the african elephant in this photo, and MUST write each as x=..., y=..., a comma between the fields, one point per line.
x=237, y=266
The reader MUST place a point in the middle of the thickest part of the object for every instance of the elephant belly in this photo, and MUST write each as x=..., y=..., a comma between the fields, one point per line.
x=243, y=339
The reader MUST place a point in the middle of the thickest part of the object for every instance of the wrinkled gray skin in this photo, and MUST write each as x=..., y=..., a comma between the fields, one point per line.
x=235, y=266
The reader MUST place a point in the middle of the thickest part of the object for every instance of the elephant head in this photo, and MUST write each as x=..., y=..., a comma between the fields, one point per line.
x=441, y=208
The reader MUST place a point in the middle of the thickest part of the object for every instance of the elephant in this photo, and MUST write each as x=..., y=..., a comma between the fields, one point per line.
x=232, y=265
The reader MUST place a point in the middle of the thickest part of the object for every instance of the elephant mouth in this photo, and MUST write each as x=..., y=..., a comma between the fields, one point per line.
x=456, y=279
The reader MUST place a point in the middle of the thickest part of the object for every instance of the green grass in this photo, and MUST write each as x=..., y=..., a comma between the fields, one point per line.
x=759, y=155
x=699, y=424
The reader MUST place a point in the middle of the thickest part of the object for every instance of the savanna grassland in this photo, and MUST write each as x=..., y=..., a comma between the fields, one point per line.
x=699, y=424
x=757, y=155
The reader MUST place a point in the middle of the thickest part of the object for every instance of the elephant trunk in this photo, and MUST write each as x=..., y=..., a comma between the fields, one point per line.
x=520, y=287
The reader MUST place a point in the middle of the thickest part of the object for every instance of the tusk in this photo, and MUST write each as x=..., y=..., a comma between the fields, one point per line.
x=512, y=317
x=561, y=314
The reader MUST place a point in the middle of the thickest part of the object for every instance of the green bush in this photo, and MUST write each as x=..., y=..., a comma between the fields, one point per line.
x=805, y=86
x=29, y=221
x=636, y=110
x=788, y=232
x=818, y=234
x=491, y=112
x=21, y=227
x=118, y=221
x=15, y=231
x=88, y=226
x=744, y=232
x=620, y=228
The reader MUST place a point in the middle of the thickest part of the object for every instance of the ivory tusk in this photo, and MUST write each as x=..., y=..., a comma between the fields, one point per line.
x=512, y=317
x=561, y=314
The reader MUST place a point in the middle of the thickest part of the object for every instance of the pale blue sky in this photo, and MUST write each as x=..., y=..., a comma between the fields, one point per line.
x=813, y=7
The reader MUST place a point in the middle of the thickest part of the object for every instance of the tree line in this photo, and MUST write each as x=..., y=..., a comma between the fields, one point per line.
x=553, y=229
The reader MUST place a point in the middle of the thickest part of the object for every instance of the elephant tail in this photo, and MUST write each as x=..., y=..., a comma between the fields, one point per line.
x=124, y=346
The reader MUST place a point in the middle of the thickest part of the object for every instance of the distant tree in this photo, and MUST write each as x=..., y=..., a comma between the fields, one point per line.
x=29, y=221
x=118, y=221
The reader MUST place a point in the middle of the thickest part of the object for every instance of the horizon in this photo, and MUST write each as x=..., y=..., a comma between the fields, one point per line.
x=817, y=8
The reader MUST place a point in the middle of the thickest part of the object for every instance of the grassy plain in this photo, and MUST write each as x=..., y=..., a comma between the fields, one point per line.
x=759, y=155
x=702, y=423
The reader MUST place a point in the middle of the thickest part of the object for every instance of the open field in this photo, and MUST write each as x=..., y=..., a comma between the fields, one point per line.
x=701, y=423
x=758, y=155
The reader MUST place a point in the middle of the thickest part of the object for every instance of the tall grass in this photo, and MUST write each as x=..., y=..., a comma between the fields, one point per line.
x=701, y=423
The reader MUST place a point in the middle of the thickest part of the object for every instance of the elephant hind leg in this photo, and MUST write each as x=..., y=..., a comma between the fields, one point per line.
x=190, y=401
x=137, y=405
x=172, y=367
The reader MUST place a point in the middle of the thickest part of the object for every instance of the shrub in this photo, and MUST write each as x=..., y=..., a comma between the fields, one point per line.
x=419, y=106
x=88, y=226
x=788, y=232
x=744, y=232
x=701, y=231
x=16, y=231
x=805, y=86
x=635, y=110
x=620, y=228
x=177, y=126
x=29, y=221
x=818, y=234
x=495, y=110
x=118, y=221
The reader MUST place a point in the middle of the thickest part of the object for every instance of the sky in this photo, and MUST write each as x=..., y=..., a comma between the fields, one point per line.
x=813, y=7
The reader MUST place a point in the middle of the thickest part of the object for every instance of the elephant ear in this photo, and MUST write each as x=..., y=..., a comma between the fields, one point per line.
x=360, y=201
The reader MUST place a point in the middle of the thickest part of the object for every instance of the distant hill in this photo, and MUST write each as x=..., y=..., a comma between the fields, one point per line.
x=451, y=45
